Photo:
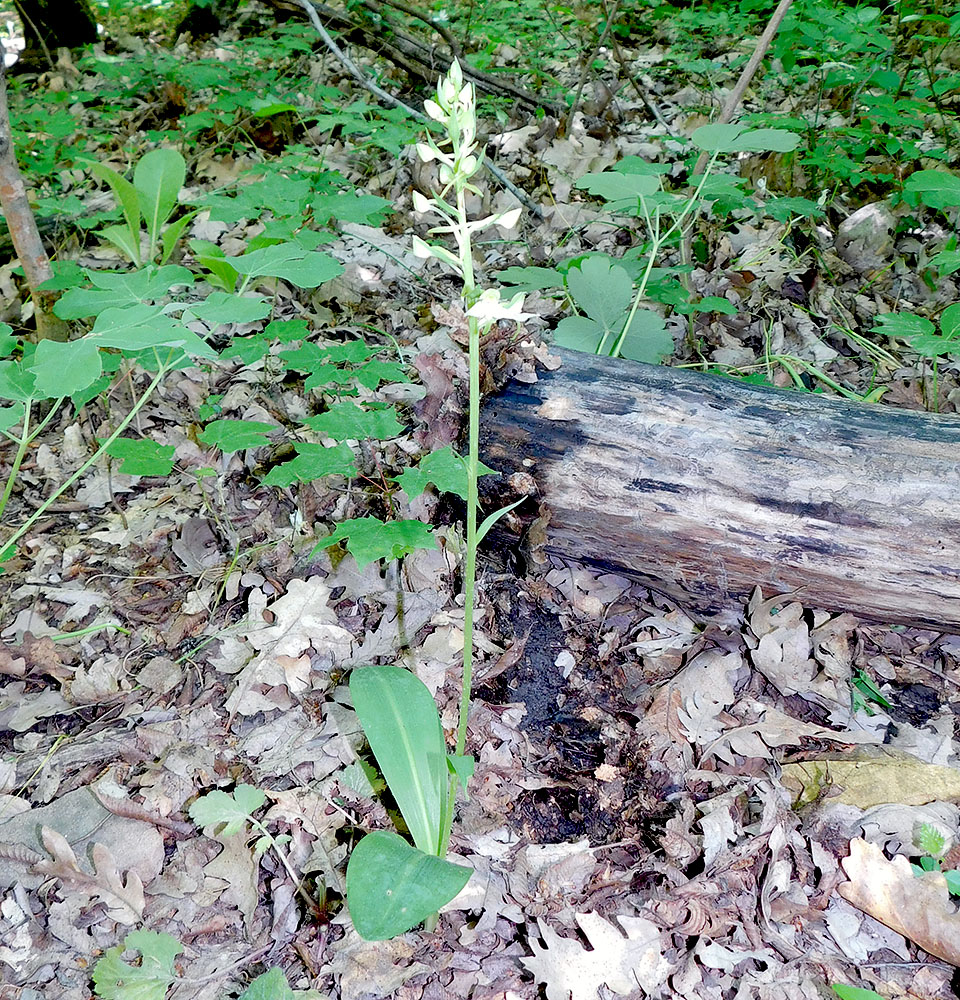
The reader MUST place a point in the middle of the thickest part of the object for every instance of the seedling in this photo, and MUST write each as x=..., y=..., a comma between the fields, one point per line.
x=147, y=204
x=924, y=338
x=854, y=992
x=151, y=976
x=864, y=693
x=608, y=294
x=933, y=845
x=232, y=814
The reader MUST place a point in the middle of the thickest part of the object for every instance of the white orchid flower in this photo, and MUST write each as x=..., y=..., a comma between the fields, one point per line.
x=490, y=306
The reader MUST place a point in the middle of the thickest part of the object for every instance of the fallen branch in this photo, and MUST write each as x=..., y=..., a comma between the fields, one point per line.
x=705, y=488
x=395, y=102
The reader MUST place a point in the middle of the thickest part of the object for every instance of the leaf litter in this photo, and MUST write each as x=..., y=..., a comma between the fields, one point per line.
x=662, y=805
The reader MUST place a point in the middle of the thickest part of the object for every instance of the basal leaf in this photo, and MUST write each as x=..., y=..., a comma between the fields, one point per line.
x=936, y=188
x=364, y=208
x=172, y=234
x=125, y=192
x=10, y=416
x=717, y=138
x=369, y=538
x=116, y=289
x=16, y=382
x=766, y=140
x=579, y=334
x=402, y=726
x=219, y=308
x=946, y=261
x=854, y=992
x=62, y=369
x=313, y=461
x=311, y=271
x=271, y=985
x=140, y=327
x=613, y=185
x=235, y=435
x=601, y=289
x=289, y=261
x=531, y=279
x=950, y=322
x=7, y=340
x=158, y=177
x=127, y=242
x=392, y=887
x=647, y=339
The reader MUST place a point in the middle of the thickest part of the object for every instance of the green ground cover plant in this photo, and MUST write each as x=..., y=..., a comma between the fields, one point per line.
x=150, y=972
x=607, y=293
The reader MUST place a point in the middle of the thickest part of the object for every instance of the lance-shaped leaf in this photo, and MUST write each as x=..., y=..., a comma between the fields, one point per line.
x=402, y=726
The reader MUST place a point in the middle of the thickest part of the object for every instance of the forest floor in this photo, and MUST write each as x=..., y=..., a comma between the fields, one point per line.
x=662, y=806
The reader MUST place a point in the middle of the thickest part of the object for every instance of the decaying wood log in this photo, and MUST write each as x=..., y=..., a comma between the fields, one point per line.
x=704, y=488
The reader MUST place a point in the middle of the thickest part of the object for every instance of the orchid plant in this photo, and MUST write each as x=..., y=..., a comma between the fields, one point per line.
x=391, y=885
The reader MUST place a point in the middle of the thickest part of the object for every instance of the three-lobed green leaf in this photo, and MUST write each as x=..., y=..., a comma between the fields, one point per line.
x=370, y=539
x=116, y=979
x=232, y=811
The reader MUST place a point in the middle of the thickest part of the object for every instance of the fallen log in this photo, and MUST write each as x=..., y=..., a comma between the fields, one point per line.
x=704, y=488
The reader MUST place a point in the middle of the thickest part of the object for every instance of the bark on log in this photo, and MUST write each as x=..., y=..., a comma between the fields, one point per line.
x=704, y=488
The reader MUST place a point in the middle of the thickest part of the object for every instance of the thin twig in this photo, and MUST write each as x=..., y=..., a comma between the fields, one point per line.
x=133, y=810
x=587, y=63
x=736, y=95
x=648, y=101
x=25, y=17
x=730, y=108
x=493, y=83
x=395, y=102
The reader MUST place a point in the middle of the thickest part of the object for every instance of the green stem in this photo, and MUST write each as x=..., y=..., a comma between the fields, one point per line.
x=27, y=436
x=470, y=569
x=473, y=464
x=124, y=424
x=22, y=445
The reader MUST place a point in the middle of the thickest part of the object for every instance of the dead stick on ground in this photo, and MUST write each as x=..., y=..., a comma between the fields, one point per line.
x=498, y=85
x=395, y=102
x=736, y=95
x=587, y=63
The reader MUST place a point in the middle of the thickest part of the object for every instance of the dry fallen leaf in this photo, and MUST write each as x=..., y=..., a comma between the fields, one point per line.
x=570, y=972
x=869, y=776
x=919, y=907
x=124, y=900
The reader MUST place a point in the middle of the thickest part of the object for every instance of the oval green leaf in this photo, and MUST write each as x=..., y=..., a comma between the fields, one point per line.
x=392, y=886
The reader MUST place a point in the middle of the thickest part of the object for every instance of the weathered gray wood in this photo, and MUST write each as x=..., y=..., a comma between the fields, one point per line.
x=704, y=488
